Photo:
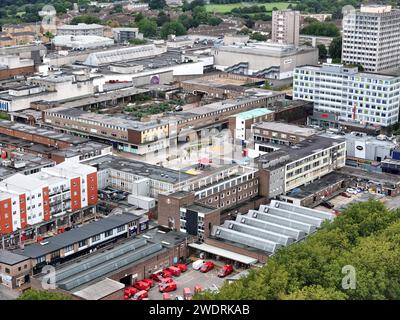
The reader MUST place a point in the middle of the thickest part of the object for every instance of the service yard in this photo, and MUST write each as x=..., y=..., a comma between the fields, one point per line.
x=190, y=279
x=341, y=202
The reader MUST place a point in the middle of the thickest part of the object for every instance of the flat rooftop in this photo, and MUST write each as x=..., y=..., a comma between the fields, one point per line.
x=46, y=133
x=114, y=120
x=300, y=150
x=266, y=49
x=11, y=258
x=317, y=185
x=139, y=168
x=75, y=235
x=286, y=128
x=258, y=112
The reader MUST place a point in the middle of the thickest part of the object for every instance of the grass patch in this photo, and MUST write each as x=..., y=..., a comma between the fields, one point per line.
x=223, y=8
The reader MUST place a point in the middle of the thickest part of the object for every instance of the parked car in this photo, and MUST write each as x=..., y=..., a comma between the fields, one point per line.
x=129, y=292
x=187, y=294
x=207, y=266
x=197, y=264
x=327, y=204
x=166, y=273
x=351, y=190
x=142, y=285
x=156, y=276
x=225, y=270
x=166, y=286
x=140, y=295
x=149, y=281
x=166, y=296
x=181, y=266
x=174, y=270
x=166, y=280
x=345, y=194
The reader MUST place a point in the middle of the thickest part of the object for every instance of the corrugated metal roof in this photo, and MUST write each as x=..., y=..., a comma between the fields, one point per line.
x=223, y=253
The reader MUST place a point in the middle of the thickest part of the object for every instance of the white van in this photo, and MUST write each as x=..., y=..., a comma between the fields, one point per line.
x=197, y=264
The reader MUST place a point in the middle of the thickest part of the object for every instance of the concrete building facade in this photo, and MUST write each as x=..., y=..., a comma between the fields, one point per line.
x=353, y=96
x=371, y=37
x=286, y=27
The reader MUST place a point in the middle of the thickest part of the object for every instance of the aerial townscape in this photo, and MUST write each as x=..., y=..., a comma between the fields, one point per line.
x=199, y=150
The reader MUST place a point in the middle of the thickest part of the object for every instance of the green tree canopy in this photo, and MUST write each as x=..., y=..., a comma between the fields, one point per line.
x=86, y=19
x=173, y=27
x=323, y=29
x=148, y=27
x=335, y=49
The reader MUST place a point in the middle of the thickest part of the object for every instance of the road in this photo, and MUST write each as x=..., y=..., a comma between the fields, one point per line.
x=7, y=294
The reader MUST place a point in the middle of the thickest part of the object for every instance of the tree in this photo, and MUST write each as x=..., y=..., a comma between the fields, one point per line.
x=49, y=35
x=315, y=293
x=157, y=4
x=258, y=36
x=335, y=48
x=173, y=27
x=162, y=18
x=148, y=27
x=32, y=294
x=86, y=19
x=324, y=29
x=249, y=23
x=322, y=52
x=139, y=17
x=118, y=9
x=137, y=42
x=113, y=24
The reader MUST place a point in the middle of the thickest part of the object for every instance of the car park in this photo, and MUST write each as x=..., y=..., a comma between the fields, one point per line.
x=207, y=266
x=225, y=270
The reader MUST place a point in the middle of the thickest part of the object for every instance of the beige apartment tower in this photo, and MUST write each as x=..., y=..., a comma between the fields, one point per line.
x=286, y=27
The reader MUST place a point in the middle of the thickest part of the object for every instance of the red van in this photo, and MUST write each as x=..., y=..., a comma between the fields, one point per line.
x=174, y=270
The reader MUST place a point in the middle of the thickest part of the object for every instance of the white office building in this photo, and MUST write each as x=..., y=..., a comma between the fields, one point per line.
x=371, y=37
x=353, y=96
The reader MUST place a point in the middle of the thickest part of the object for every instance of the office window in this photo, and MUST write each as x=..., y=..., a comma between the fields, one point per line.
x=108, y=233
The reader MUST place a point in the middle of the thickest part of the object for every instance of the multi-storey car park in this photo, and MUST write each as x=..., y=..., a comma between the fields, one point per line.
x=353, y=96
